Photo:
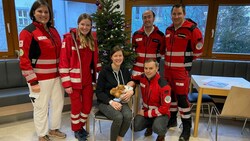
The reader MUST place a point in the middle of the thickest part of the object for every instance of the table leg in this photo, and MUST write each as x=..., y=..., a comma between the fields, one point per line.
x=137, y=99
x=197, y=115
x=87, y=124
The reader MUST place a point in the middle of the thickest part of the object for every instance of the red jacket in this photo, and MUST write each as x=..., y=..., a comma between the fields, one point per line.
x=183, y=46
x=152, y=46
x=155, y=95
x=77, y=65
x=39, y=52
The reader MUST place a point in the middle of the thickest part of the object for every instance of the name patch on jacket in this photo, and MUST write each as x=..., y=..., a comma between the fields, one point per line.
x=167, y=36
x=63, y=44
x=142, y=85
x=155, y=40
x=42, y=38
x=181, y=35
x=138, y=39
x=179, y=84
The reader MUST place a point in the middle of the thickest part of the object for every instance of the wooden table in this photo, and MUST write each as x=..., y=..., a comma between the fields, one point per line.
x=213, y=85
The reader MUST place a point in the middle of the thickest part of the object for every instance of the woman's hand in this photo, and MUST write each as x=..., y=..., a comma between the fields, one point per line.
x=127, y=95
x=116, y=105
x=69, y=90
x=35, y=88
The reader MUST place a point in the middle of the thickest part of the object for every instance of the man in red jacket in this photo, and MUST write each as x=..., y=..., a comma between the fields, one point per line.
x=148, y=42
x=155, y=91
x=184, y=43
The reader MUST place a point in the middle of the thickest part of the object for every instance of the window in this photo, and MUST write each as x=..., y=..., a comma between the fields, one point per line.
x=234, y=37
x=22, y=13
x=225, y=24
x=3, y=38
x=160, y=21
x=226, y=34
x=163, y=16
x=66, y=14
x=22, y=17
x=12, y=23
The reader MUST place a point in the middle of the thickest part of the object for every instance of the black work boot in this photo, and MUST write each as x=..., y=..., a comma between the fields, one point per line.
x=173, y=120
x=187, y=124
x=79, y=136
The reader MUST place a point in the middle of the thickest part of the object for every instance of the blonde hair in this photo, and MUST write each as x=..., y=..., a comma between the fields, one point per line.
x=87, y=40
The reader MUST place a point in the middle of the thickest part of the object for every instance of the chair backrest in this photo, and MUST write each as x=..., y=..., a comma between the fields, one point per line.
x=237, y=103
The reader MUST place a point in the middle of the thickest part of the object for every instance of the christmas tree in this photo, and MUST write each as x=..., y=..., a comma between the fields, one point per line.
x=110, y=29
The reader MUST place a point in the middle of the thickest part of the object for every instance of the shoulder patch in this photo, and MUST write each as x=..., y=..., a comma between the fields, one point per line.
x=167, y=99
x=21, y=43
x=199, y=45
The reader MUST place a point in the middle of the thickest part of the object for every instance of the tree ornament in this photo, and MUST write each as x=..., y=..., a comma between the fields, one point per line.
x=100, y=7
x=97, y=3
x=128, y=26
x=117, y=6
x=105, y=53
x=110, y=23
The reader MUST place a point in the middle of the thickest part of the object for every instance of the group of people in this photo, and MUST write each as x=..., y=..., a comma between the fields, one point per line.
x=52, y=67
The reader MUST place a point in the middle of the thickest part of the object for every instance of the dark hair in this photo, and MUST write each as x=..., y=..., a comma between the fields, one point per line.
x=36, y=5
x=115, y=49
x=151, y=12
x=152, y=60
x=178, y=6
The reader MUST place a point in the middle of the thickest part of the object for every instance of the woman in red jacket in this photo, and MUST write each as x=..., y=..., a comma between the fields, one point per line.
x=40, y=46
x=77, y=67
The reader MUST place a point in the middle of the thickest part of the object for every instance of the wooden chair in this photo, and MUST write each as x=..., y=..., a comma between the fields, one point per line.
x=236, y=106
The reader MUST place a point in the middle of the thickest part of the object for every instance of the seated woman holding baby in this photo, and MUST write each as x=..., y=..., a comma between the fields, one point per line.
x=112, y=78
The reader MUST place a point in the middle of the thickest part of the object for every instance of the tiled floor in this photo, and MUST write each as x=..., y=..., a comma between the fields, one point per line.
x=24, y=131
